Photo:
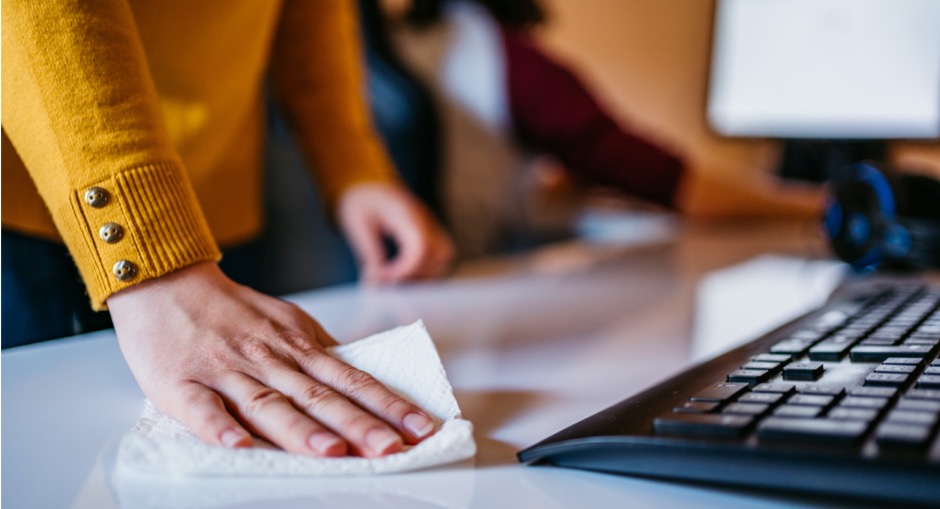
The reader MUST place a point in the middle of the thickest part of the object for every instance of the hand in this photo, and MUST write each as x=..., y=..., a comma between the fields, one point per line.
x=225, y=360
x=367, y=212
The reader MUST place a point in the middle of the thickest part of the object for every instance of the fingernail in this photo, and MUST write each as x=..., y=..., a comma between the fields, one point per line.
x=383, y=441
x=233, y=438
x=327, y=444
x=418, y=425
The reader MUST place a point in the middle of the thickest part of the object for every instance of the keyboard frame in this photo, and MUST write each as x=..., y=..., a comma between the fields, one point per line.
x=606, y=442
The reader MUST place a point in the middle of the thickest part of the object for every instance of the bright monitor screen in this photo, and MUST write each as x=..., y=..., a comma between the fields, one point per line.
x=832, y=69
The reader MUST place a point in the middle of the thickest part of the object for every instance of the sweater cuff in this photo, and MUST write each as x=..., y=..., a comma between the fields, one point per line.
x=136, y=225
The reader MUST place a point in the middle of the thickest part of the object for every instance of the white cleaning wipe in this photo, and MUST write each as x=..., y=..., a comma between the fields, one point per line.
x=404, y=359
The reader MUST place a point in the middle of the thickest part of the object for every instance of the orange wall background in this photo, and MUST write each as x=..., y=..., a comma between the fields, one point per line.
x=647, y=60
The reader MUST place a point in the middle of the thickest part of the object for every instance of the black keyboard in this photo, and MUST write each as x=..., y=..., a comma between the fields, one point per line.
x=844, y=401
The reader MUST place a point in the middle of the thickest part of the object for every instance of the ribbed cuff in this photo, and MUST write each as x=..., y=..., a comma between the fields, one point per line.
x=147, y=224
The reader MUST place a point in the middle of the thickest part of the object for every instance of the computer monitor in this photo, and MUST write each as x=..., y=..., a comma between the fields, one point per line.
x=841, y=75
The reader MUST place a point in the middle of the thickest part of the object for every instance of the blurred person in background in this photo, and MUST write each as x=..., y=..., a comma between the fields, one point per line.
x=505, y=104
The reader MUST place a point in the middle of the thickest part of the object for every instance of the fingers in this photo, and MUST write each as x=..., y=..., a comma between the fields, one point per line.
x=370, y=211
x=413, y=250
x=366, y=241
x=347, y=412
x=269, y=413
x=423, y=262
x=203, y=411
x=367, y=435
x=350, y=384
x=321, y=416
x=424, y=252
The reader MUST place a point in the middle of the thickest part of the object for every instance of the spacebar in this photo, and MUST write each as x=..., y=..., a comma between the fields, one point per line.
x=782, y=428
x=702, y=425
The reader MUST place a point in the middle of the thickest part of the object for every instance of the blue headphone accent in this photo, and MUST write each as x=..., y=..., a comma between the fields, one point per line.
x=898, y=241
x=871, y=176
x=833, y=219
x=858, y=229
x=866, y=228
x=856, y=226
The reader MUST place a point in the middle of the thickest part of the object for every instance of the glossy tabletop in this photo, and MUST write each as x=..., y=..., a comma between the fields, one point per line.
x=531, y=344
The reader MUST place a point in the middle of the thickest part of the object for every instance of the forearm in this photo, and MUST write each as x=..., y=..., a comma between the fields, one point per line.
x=82, y=114
x=317, y=71
x=554, y=112
x=708, y=192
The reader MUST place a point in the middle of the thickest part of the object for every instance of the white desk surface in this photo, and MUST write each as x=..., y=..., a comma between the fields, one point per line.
x=531, y=345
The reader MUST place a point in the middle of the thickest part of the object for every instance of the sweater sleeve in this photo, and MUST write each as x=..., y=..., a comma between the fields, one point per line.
x=81, y=110
x=554, y=112
x=317, y=74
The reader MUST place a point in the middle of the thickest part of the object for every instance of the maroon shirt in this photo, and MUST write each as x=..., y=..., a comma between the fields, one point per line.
x=553, y=112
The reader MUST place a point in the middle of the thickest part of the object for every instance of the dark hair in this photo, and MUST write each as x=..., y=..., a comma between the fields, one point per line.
x=517, y=14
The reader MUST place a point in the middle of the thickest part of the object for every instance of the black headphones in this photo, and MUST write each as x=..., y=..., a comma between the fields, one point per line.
x=878, y=219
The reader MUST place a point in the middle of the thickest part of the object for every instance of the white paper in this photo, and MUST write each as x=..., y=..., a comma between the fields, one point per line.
x=404, y=359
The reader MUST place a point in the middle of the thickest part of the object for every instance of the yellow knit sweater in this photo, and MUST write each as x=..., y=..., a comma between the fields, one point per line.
x=156, y=106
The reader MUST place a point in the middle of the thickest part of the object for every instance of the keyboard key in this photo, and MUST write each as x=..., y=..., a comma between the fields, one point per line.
x=903, y=434
x=928, y=382
x=873, y=392
x=791, y=346
x=880, y=341
x=863, y=402
x=886, y=379
x=907, y=416
x=802, y=371
x=891, y=330
x=720, y=392
x=822, y=390
x=896, y=368
x=921, y=340
x=918, y=405
x=749, y=376
x=810, y=399
x=768, y=366
x=754, y=409
x=880, y=353
x=831, y=349
x=769, y=398
x=806, y=335
x=798, y=411
x=771, y=357
x=775, y=387
x=924, y=394
x=782, y=428
x=930, y=329
x=853, y=414
x=915, y=361
x=888, y=333
x=696, y=407
x=705, y=425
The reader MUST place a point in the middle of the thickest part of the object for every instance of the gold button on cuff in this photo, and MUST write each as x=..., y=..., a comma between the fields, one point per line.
x=125, y=270
x=111, y=232
x=96, y=197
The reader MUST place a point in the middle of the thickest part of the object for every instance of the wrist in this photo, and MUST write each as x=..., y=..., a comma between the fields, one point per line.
x=182, y=280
